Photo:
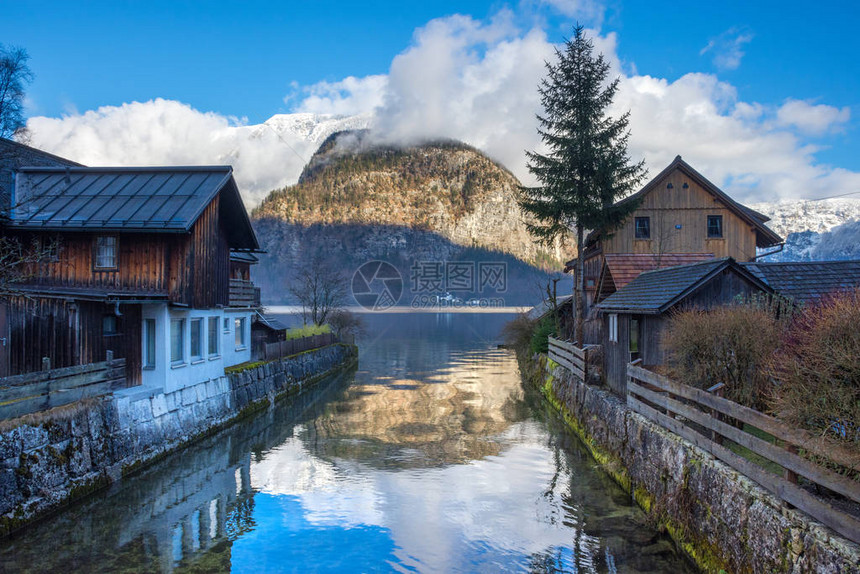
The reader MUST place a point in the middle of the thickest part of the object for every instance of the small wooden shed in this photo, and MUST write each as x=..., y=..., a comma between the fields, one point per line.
x=634, y=317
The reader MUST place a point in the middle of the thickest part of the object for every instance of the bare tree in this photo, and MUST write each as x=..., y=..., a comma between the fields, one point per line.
x=14, y=75
x=320, y=289
x=21, y=260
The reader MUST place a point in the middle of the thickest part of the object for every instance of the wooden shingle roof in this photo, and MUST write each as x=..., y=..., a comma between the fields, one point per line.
x=654, y=292
x=807, y=281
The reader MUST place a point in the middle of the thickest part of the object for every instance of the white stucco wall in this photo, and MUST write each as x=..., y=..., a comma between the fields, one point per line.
x=171, y=376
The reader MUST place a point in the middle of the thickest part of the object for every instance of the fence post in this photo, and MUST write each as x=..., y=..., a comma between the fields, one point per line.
x=46, y=363
x=109, y=355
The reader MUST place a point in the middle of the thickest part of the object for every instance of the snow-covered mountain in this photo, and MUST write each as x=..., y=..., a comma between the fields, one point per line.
x=815, y=230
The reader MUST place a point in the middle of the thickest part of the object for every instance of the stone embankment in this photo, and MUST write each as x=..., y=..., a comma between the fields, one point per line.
x=721, y=519
x=51, y=458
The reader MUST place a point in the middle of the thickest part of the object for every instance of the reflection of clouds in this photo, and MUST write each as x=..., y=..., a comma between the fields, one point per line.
x=437, y=517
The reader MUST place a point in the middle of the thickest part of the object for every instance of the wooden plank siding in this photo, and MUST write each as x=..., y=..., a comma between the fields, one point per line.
x=688, y=207
x=70, y=333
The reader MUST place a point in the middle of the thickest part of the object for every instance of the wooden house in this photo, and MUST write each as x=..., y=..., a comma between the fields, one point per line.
x=681, y=217
x=634, y=317
x=150, y=263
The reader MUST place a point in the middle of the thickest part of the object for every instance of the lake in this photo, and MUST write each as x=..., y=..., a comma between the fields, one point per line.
x=431, y=457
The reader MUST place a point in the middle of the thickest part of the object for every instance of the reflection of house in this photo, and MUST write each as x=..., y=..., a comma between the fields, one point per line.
x=634, y=317
x=144, y=269
x=680, y=215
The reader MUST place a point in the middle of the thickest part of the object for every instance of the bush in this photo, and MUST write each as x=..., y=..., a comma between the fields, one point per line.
x=517, y=333
x=540, y=338
x=817, y=370
x=731, y=345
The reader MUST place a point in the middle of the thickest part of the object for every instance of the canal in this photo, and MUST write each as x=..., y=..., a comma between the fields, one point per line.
x=431, y=457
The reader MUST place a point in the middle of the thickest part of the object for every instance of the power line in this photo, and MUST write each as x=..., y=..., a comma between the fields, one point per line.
x=286, y=143
x=835, y=196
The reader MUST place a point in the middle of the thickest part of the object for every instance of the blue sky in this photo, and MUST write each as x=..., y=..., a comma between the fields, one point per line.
x=787, y=71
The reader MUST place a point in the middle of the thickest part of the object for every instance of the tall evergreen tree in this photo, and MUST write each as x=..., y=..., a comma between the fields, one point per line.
x=586, y=169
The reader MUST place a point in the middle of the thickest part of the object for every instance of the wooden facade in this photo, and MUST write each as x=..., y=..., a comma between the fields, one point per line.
x=639, y=332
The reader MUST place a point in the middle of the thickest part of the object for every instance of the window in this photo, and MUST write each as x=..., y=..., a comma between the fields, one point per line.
x=50, y=249
x=226, y=325
x=177, y=340
x=196, y=339
x=240, y=332
x=634, y=338
x=715, y=226
x=643, y=228
x=149, y=343
x=613, y=328
x=109, y=325
x=213, y=335
x=106, y=252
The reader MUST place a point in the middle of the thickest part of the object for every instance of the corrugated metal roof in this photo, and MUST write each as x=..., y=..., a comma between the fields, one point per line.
x=545, y=306
x=162, y=199
x=809, y=280
x=270, y=322
x=654, y=292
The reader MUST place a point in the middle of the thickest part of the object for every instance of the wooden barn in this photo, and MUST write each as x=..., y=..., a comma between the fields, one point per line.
x=634, y=317
x=806, y=282
x=150, y=263
x=681, y=216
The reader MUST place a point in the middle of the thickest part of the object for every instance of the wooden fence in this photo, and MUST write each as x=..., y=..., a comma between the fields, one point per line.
x=570, y=356
x=706, y=420
x=272, y=351
x=39, y=391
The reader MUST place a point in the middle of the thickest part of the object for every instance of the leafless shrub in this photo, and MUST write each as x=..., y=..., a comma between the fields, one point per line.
x=817, y=369
x=517, y=333
x=730, y=344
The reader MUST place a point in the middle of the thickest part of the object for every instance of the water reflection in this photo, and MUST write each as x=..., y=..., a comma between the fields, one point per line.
x=431, y=457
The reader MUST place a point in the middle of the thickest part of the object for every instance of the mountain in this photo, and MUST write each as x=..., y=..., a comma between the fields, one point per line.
x=358, y=201
x=815, y=230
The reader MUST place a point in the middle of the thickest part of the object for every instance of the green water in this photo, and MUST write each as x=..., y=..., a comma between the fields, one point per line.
x=431, y=457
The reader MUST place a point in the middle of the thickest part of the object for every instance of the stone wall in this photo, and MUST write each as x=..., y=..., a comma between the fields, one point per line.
x=721, y=519
x=50, y=458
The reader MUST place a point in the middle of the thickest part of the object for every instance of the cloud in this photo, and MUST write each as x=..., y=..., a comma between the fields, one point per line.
x=811, y=119
x=727, y=48
x=587, y=10
x=166, y=132
x=476, y=81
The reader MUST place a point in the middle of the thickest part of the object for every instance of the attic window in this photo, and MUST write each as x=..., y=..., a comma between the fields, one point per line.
x=106, y=252
x=643, y=228
x=715, y=226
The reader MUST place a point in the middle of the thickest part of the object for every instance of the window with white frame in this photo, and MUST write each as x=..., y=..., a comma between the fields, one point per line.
x=240, y=332
x=196, y=336
x=177, y=340
x=213, y=336
x=613, y=328
x=149, y=343
x=106, y=252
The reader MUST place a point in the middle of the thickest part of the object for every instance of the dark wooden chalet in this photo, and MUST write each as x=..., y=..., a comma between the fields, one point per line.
x=634, y=317
x=128, y=239
x=680, y=213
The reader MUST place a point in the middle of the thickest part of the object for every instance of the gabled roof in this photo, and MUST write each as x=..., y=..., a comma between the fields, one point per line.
x=619, y=269
x=269, y=322
x=129, y=199
x=655, y=292
x=765, y=237
x=807, y=281
x=545, y=306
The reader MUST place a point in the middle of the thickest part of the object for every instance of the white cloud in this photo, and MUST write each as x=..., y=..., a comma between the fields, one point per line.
x=477, y=81
x=727, y=48
x=587, y=10
x=812, y=119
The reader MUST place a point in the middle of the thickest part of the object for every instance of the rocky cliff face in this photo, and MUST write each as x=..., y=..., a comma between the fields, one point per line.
x=443, y=188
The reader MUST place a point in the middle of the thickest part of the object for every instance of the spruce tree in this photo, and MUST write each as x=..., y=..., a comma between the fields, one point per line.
x=585, y=169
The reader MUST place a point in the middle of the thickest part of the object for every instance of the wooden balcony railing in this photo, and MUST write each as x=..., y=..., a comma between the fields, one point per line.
x=244, y=294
